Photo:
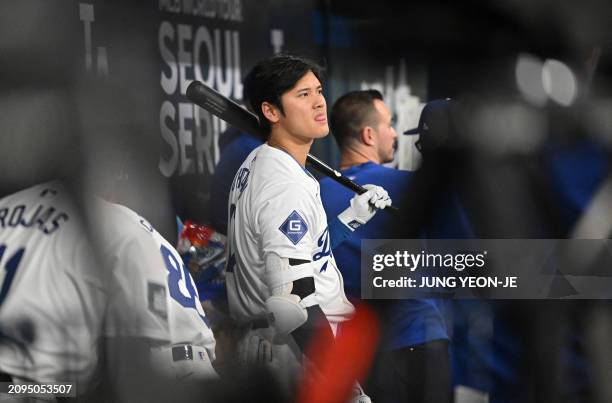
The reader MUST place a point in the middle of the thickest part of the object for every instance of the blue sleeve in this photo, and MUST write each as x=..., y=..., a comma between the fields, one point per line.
x=179, y=225
x=338, y=232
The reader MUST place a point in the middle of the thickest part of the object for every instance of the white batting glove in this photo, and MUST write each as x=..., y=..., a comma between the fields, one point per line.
x=254, y=350
x=364, y=206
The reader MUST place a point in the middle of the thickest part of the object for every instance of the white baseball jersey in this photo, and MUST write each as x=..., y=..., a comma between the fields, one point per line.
x=154, y=295
x=52, y=295
x=275, y=207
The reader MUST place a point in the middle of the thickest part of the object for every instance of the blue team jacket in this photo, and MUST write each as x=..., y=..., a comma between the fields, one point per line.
x=414, y=321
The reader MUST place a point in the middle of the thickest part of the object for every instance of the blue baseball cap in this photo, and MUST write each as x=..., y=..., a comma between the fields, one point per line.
x=434, y=123
x=435, y=115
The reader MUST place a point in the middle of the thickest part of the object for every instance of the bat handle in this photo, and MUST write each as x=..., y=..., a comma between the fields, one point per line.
x=338, y=177
x=361, y=190
x=392, y=209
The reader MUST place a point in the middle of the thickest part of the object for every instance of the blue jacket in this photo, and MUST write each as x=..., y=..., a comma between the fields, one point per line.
x=412, y=322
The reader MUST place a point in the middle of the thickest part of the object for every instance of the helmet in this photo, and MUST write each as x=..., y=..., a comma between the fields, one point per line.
x=203, y=251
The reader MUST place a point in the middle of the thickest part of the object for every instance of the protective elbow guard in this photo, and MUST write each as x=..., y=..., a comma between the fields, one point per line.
x=288, y=312
x=286, y=309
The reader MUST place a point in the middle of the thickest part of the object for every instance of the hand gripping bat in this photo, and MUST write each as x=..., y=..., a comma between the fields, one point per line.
x=237, y=116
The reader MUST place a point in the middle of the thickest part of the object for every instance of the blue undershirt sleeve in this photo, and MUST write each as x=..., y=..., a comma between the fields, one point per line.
x=338, y=232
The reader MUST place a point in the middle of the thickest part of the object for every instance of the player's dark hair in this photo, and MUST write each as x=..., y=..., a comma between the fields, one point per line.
x=272, y=77
x=352, y=112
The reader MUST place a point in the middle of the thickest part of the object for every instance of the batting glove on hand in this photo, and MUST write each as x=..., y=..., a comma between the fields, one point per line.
x=254, y=350
x=364, y=206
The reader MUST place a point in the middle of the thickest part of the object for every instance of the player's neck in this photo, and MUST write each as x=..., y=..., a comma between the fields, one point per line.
x=354, y=155
x=297, y=148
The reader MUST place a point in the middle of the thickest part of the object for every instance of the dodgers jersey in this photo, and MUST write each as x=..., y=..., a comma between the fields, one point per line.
x=275, y=207
x=52, y=295
x=153, y=293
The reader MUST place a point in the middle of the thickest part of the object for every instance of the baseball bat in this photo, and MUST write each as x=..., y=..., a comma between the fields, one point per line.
x=237, y=116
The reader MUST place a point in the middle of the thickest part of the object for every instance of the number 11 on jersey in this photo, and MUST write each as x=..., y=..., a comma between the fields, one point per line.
x=8, y=271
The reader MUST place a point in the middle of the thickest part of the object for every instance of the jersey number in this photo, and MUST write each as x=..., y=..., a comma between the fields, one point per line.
x=182, y=289
x=8, y=273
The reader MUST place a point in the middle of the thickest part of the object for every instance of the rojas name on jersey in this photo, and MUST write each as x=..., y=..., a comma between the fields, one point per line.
x=45, y=218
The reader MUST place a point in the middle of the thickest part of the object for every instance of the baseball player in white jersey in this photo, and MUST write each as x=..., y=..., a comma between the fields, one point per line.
x=281, y=274
x=52, y=295
x=56, y=301
x=277, y=210
x=153, y=296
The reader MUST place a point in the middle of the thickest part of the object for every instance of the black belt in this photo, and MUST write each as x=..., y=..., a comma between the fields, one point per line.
x=260, y=323
x=182, y=353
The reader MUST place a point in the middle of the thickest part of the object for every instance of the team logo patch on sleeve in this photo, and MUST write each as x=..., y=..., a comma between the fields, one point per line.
x=294, y=227
x=157, y=299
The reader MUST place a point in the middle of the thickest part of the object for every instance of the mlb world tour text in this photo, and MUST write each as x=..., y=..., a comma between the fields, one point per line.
x=434, y=270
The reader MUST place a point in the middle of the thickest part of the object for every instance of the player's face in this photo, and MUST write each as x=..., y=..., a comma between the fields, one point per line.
x=305, y=109
x=387, y=136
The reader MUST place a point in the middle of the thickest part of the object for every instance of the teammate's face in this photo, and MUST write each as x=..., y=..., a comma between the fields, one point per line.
x=387, y=136
x=305, y=109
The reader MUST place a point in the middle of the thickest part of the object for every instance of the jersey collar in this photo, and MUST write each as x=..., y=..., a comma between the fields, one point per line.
x=291, y=156
x=356, y=168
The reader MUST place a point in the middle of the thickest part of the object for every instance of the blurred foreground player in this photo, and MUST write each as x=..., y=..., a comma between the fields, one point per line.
x=157, y=345
x=64, y=313
x=282, y=280
x=413, y=364
x=57, y=303
x=52, y=295
x=153, y=299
